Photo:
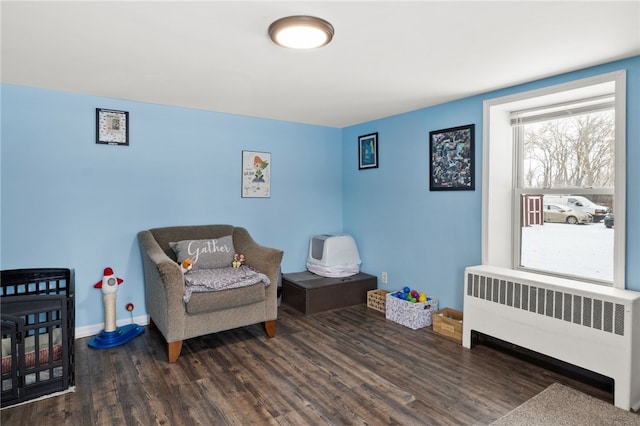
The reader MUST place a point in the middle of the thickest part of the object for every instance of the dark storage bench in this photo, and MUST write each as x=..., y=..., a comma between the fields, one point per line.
x=310, y=293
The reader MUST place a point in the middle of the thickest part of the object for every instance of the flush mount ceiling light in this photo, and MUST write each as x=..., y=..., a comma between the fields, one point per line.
x=301, y=32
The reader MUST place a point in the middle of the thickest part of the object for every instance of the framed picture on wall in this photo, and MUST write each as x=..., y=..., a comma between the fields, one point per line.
x=368, y=151
x=451, y=159
x=112, y=127
x=256, y=174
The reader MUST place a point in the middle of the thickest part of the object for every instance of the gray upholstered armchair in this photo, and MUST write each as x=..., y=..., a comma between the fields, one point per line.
x=205, y=312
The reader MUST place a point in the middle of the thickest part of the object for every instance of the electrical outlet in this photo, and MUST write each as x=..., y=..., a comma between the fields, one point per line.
x=384, y=278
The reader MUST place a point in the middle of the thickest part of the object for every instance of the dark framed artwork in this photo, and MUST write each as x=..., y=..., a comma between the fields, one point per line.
x=368, y=151
x=112, y=127
x=451, y=159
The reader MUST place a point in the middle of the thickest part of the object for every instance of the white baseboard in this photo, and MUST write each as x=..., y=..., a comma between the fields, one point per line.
x=90, y=330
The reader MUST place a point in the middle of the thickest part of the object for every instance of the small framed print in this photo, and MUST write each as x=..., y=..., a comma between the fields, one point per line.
x=451, y=159
x=112, y=127
x=368, y=151
x=256, y=174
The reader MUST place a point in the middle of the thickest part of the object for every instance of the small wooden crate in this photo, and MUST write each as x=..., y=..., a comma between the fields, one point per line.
x=448, y=322
x=376, y=299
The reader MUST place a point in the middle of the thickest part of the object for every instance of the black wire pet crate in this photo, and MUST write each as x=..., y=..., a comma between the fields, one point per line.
x=37, y=316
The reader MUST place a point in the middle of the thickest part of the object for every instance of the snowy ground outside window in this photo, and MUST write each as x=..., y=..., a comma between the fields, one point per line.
x=582, y=250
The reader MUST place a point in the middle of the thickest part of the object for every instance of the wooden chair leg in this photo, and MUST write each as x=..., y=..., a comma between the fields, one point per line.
x=174, y=350
x=270, y=328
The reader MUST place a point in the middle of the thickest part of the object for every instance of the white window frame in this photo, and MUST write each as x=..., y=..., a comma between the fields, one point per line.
x=499, y=153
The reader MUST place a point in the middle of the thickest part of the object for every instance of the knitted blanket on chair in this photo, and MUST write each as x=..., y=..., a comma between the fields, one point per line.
x=201, y=280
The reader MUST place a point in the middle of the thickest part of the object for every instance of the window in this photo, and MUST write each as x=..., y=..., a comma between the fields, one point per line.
x=566, y=154
x=553, y=168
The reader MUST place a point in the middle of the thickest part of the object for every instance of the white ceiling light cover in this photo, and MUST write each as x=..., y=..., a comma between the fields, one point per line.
x=301, y=32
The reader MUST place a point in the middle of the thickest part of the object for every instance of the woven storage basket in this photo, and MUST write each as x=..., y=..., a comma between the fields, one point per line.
x=376, y=299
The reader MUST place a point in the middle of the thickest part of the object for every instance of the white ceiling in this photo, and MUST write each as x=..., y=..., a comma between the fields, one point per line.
x=387, y=57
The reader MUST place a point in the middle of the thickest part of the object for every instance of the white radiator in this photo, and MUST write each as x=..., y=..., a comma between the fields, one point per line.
x=587, y=325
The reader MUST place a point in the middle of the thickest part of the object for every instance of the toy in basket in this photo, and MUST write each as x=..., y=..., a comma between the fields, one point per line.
x=405, y=308
x=112, y=335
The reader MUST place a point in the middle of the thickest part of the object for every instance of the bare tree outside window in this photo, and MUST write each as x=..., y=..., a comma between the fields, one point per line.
x=575, y=152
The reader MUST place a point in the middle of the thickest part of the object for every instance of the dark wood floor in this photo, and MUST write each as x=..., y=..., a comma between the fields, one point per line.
x=348, y=366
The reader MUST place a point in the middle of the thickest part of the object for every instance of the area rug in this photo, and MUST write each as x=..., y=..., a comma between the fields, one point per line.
x=563, y=406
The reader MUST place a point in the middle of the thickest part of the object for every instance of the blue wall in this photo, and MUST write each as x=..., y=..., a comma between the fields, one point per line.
x=422, y=239
x=69, y=202
x=425, y=239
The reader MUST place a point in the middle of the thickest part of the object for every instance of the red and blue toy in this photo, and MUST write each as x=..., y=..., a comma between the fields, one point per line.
x=112, y=335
